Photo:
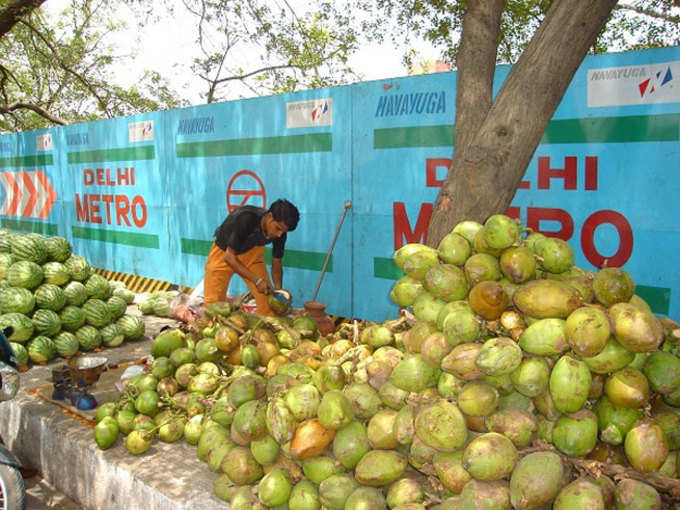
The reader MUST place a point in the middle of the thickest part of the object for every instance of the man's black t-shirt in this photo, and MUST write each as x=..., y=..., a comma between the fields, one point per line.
x=242, y=230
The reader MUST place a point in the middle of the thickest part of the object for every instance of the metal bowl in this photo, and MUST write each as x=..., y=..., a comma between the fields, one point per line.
x=86, y=370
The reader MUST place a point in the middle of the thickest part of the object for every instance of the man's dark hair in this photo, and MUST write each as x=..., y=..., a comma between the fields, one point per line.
x=283, y=210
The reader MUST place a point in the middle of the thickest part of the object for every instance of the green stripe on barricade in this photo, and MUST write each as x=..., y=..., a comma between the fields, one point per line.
x=320, y=142
x=658, y=298
x=421, y=136
x=291, y=258
x=386, y=268
x=634, y=128
x=31, y=226
x=108, y=155
x=117, y=237
x=22, y=161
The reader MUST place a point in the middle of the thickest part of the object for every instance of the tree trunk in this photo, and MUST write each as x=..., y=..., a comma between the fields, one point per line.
x=486, y=172
x=14, y=11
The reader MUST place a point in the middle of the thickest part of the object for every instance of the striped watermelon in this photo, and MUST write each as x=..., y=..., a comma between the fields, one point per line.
x=16, y=299
x=145, y=302
x=6, y=260
x=75, y=293
x=112, y=335
x=58, y=248
x=72, y=318
x=46, y=322
x=161, y=305
x=23, y=326
x=56, y=273
x=98, y=287
x=96, y=313
x=132, y=326
x=25, y=273
x=20, y=353
x=50, y=296
x=29, y=247
x=125, y=294
x=78, y=268
x=41, y=349
x=66, y=343
x=117, y=307
x=6, y=241
x=89, y=338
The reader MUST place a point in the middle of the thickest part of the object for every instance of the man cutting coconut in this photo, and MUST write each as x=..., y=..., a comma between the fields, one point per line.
x=239, y=248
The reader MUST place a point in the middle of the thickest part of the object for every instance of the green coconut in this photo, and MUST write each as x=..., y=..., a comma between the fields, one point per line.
x=403, y=492
x=636, y=495
x=531, y=377
x=426, y=307
x=364, y=399
x=441, y=425
x=454, y=248
x=646, y=446
x=461, y=326
x=662, y=370
x=614, y=422
x=379, y=468
x=518, y=425
x=478, y=398
x=304, y=496
x=536, y=480
x=587, y=331
x=545, y=337
x=414, y=374
x=350, y=444
x=417, y=264
x=480, y=495
x=489, y=457
x=498, y=356
x=570, y=382
x=335, y=410
x=636, y=330
x=613, y=285
x=543, y=299
x=482, y=267
x=575, y=434
x=446, y=282
x=501, y=231
x=611, y=358
x=581, y=493
x=627, y=387
x=518, y=264
x=555, y=255
x=405, y=290
x=468, y=229
x=366, y=498
x=450, y=470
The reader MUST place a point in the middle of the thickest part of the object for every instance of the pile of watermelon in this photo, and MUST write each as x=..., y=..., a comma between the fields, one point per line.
x=56, y=303
x=156, y=303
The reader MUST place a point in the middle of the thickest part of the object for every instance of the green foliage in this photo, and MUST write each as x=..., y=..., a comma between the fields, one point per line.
x=634, y=24
x=62, y=69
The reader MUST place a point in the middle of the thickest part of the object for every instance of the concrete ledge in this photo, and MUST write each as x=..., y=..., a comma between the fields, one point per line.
x=167, y=477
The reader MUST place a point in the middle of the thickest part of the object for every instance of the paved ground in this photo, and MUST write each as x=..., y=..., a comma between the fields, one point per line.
x=40, y=495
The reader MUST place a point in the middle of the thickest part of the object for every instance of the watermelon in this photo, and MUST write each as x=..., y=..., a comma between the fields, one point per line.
x=72, y=318
x=46, y=322
x=116, y=306
x=20, y=354
x=67, y=344
x=96, y=313
x=98, y=287
x=23, y=326
x=161, y=307
x=127, y=295
x=16, y=299
x=58, y=248
x=5, y=242
x=112, y=335
x=56, y=273
x=75, y=293
x=50, y=296
x=41, y=349
x=78, y=268
x=145, y=302
x=88, y=337
x=132, y=326
x=29, y=247
x=6, y=260
x=117, y=284
x=25, y=273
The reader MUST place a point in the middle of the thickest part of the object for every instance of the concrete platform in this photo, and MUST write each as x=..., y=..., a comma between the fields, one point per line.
x=63, y=451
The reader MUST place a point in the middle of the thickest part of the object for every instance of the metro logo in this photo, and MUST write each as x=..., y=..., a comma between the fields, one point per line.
x=27, y=194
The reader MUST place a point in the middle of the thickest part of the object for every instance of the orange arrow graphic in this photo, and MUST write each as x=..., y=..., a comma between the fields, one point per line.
x=16, y=194
x=32, y=193
x=49, y=190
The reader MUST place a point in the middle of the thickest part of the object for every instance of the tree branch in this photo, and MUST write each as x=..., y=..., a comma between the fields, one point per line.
x=257, y=71
x=37, y=109
x=14, y=11
x=648, y=12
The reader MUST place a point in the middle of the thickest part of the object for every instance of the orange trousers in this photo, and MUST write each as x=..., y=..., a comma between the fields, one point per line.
x=218, y=274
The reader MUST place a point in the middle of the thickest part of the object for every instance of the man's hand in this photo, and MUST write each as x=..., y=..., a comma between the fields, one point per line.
x=262, y=284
